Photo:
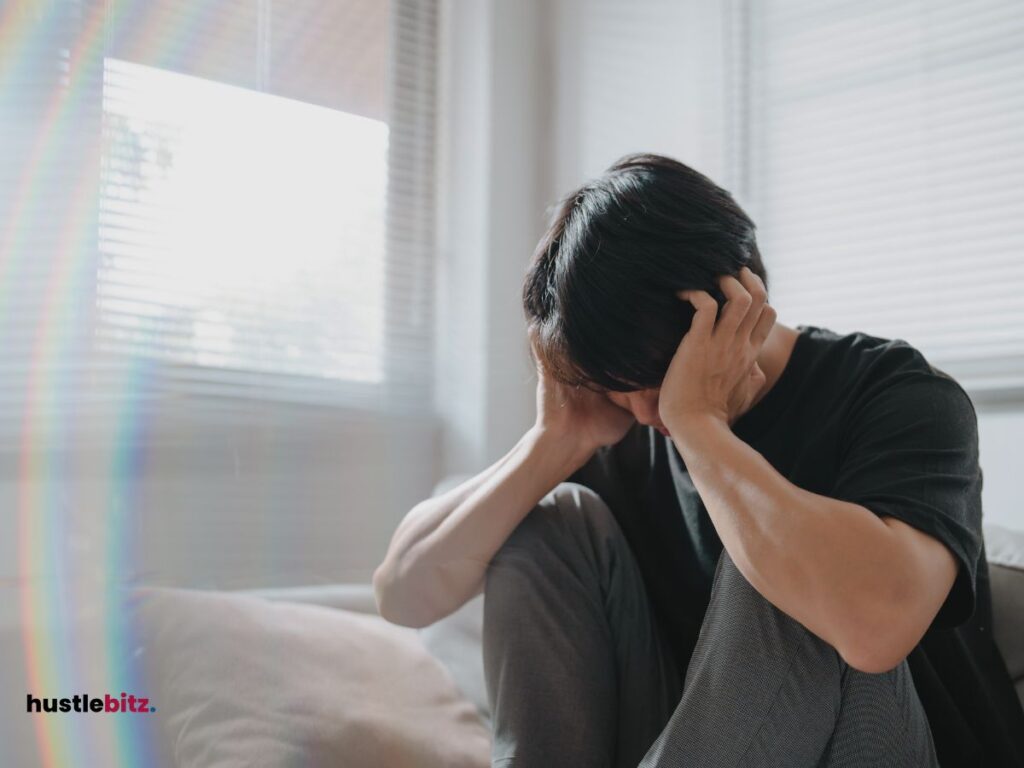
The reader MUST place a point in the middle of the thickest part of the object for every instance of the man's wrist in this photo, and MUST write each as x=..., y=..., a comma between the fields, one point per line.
x=564, y=452
x=688, y=427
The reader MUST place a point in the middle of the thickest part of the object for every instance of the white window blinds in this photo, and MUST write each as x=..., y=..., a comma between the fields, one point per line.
x=885, y=170
x=260, y=225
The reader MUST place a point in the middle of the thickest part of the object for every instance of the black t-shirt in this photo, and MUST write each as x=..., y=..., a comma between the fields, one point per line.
x=866, y=420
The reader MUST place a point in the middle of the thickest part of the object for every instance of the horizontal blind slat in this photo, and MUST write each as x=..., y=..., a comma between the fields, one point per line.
x=885, y=171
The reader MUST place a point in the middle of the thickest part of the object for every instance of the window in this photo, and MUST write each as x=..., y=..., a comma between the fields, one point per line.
x=883, y=160
x=233, y=197
x=240, y=230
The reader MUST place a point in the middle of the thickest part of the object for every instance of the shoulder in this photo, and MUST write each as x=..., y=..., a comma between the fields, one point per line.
x=872, y=371
x=861, y=355
x=892, y=401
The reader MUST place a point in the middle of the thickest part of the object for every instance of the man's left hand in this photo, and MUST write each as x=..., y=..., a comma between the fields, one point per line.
x=714, y=372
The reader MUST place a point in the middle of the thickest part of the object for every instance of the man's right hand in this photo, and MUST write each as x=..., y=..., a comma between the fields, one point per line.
x=578, y=415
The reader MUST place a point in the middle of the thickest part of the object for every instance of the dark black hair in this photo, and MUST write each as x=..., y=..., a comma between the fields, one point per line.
x=600, y=292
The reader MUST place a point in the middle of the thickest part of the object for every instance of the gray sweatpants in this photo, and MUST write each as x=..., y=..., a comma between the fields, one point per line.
x=579, y=674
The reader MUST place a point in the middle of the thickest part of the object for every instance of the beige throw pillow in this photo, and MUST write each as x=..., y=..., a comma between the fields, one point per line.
x=239, y=680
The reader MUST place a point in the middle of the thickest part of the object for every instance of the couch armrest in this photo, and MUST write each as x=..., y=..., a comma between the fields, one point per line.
x=1005, y=550
x=350, y=597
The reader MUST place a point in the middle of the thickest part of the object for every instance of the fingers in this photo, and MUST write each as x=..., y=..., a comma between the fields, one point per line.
x=759, y=295
x=707, y=308
x=747, y=315
x=764, y=326
x=746, y=312
x=738, y=303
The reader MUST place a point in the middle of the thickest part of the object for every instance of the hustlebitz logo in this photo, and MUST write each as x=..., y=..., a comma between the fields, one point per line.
x=83, y=702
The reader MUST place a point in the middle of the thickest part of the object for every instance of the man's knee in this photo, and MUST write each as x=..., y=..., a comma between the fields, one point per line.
x=567, y=529
x=560, y=547
x=567, y=515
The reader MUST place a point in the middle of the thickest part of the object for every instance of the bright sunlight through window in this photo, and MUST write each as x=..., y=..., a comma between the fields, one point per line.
x=240, y=230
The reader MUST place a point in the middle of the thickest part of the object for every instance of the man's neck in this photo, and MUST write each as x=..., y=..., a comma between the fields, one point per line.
x=774, y=356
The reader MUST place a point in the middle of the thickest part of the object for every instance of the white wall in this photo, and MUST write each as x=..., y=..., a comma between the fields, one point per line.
x=638, y=76
x=303, y=499
x=491, y=165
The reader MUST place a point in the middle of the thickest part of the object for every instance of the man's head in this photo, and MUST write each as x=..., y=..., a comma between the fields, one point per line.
x=600, y=293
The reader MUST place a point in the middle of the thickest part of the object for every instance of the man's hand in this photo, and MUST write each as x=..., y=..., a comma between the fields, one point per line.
x=587, y=418
x=714, y=372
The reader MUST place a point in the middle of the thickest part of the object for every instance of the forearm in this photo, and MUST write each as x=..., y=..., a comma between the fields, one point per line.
x=831, y=565
x=439, y=554
x=424, y=518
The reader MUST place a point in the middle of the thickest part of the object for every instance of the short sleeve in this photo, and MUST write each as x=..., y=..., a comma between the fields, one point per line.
x=910, y=451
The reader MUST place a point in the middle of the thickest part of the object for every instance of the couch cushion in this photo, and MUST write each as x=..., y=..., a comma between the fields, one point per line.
x=241, y=680
x=350, y=597
x=1005, y=550
x=456, y=641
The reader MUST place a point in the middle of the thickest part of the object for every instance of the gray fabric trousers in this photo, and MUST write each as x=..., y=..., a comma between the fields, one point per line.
x=579, y=674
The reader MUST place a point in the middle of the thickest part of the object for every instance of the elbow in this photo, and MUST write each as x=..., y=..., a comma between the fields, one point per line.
x=381, y=591
x=879, y=644
x=386, y=593
x=395, y=604
x=873, y=659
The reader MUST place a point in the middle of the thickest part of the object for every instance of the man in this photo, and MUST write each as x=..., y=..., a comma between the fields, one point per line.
x=724, y=541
